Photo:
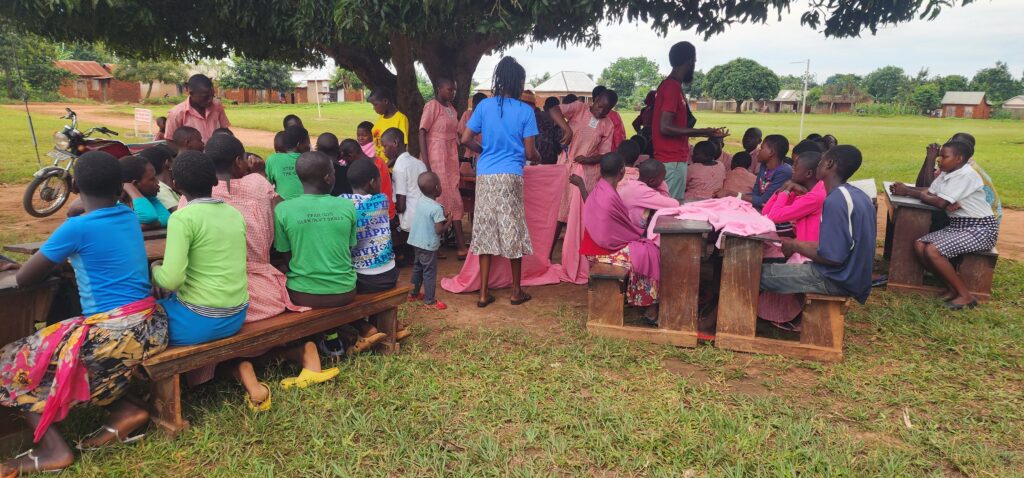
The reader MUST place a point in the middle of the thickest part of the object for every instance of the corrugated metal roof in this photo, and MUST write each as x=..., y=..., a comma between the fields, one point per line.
x=1015, y=102
x=567, y=82
x=86, y=69
x=788, y=95
x=963, y=98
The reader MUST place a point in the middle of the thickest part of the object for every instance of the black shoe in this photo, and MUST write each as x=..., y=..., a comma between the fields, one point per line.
x=330, y=344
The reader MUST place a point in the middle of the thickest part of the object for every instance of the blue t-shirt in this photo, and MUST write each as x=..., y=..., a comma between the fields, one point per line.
x=105, y=248
x=503, y=123
x=768, y=182
x=854, y=252
x=423, y=235
x=373, y=252
x=149, y=210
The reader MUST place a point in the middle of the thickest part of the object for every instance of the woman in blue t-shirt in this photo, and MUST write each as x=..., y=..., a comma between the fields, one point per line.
x=507, y=127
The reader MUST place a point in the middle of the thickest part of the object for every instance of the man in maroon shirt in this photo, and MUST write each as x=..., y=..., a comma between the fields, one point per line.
x=673, y=128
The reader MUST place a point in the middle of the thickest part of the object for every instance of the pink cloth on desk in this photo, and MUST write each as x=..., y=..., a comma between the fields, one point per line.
x=639, y=197
x=608, y=223
x=730, y=214
x=803, y=210
x=540, y=185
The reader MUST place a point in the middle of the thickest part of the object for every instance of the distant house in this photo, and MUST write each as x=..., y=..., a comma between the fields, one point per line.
x=1015, y=106
x=965, y=104
x=563, y=83
x=96, y=82
x=310, y=83
x=787, y=101
x=839, y=103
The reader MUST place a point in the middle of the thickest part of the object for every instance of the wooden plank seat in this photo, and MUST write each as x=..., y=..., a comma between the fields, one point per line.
x=977, y=269
x=164, y=368
x=821, y=333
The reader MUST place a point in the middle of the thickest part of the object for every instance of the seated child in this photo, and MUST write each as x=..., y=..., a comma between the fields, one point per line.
x=752, y=145
x=281, y=166
x=351, y=152
x=372, y=255
x=290, y=120
x=364, y=136
x=187, y=138
x=648, y=193
x=254, y=197
x=425, y=238
x=226, y=131
x=327, y=143
x=706, y=175
x=843, y=255
x=141, y=188
x=279, y=146
x=204, y=259
x=723, y=157
x=929, y=172
x=739, y=180
x=161, y=158
x=407, y=190
x=772, y=172
x=799, y=201
x=960, y=190
x=630, y=151
x=320, y=272
x=161, y=126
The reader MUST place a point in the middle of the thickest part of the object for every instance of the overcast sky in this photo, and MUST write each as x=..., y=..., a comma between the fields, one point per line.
x=961, y=40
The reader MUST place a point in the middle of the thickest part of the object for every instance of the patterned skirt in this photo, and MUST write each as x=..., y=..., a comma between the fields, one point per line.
x=499, y=217
x=964, y=235
x=641, y=291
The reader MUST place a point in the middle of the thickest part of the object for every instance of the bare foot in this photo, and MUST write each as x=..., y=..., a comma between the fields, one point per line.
x=125, y=417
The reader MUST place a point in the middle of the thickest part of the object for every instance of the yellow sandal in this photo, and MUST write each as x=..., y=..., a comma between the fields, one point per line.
x=308, y=377
x=259, y=407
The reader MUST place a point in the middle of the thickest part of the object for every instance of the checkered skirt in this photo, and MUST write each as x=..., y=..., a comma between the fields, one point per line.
x=499, y=219
x=964, y=235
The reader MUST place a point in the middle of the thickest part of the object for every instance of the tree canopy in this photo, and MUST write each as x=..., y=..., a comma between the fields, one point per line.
x=26, y=65
x=742, y=79
x=631, y=78
x=345, y=79
x=887, y=83
x=926, y=97
x=997, y=83
x=258, y=75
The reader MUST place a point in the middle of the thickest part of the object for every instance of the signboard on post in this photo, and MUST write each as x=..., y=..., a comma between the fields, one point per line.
x=145, y=117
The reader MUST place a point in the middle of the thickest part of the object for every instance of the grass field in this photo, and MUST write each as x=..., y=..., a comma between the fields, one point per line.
x=893, y=147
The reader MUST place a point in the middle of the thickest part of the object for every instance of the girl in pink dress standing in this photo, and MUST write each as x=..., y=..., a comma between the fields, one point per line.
x=439, y=150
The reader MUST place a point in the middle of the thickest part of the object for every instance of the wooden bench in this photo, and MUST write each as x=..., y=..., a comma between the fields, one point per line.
x=154, y=245
x=821, y=333
x=682, y=247
x=977, y=269
x=164, y=368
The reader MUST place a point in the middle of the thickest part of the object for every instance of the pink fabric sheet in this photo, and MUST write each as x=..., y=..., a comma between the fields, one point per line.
x=729, y=214
x=542, y=185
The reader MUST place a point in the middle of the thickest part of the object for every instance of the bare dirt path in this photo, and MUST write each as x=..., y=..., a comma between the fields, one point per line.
x=96, y=115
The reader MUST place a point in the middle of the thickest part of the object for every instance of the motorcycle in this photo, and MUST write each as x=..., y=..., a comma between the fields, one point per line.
x=51, y=186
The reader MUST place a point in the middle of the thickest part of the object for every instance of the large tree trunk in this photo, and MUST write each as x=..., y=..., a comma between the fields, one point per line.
x=149, y=90
x=410, y=101
x=739, y=106
x=457, y=63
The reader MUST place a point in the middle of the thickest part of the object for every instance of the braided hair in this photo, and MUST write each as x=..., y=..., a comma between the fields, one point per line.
x=509, y=79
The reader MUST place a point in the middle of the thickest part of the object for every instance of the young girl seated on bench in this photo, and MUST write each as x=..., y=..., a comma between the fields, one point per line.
x=141, y=187
x=972, y=224
x=87, y=359
x=204, y=259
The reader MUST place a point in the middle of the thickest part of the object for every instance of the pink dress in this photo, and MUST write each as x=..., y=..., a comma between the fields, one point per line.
x=591, y=136
x=640, y=198
x=463, y=121
x=442, y=143
x=704, y=180
x=737, y=181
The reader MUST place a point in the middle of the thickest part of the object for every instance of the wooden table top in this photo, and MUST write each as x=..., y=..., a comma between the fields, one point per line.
x=905, y=201
x=30, y=248
x=671, y=225
x=154, y=248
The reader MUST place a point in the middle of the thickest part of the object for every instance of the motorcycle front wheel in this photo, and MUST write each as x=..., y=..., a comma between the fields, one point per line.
x=46, y=194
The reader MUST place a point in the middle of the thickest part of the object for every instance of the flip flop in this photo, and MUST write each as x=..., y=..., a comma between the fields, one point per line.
x=485, y=303
x=951, y=306
x=522, y=300
x=259, y=407
x=402, y=334
x=35, y=464
x=308, y=377
x=108, y=429
x=366, y=343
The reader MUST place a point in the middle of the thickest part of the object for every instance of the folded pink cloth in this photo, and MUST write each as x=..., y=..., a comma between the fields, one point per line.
x=729, y=214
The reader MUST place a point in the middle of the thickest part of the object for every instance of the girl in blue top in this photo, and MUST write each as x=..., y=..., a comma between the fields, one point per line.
x=507, y=127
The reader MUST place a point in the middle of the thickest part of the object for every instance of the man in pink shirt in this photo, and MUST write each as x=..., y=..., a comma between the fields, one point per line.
x=200, y=111
x=800, y=200
x=646, y=194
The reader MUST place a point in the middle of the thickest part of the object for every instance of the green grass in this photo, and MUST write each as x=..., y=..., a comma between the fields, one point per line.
x=489, y=402
x=17, y=156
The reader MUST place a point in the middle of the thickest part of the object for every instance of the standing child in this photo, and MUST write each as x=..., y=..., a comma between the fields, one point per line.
x=440, y=152
x=772, y=172
x=327, y=143
x=973, y=226
x=364, y=136
x=161, y=157
x=407, y=190
x=383, y=101
x=161, y=126
x=739, y=179
x=204, y=260
x=752, y=145
x=141, y=187
x=427, y=225
x=351, y=152
x=706, y=175
x=281, y=166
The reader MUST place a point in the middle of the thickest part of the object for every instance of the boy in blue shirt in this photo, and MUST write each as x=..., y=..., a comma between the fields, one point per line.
x=843, y=256
x=428, y=223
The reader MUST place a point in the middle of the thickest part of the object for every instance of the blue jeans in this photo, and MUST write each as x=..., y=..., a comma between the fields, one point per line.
x=797, y=279
x=424, y=273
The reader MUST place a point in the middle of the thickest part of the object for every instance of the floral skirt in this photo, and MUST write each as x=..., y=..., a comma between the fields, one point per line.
x=641, y=291
x=499, y=217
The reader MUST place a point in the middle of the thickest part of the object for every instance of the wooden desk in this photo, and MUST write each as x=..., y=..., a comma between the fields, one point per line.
x=30, y=248
x=154, y=248
x=907, y=220
x=739, y=290
x=23, y=307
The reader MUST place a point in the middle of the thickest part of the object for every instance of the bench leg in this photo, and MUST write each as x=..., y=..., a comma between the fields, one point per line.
x=822, y=325
x=977, y=271
x=166, y=406
x=605, y=302
x=387, y=322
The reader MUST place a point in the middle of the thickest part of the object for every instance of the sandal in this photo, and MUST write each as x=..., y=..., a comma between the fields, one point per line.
x=35, y=464
x=485, y=303
x=366, y=343
x=308, y=377
x=402, y=334
x=108, y=429
x=259, y=407
x=522, y=300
